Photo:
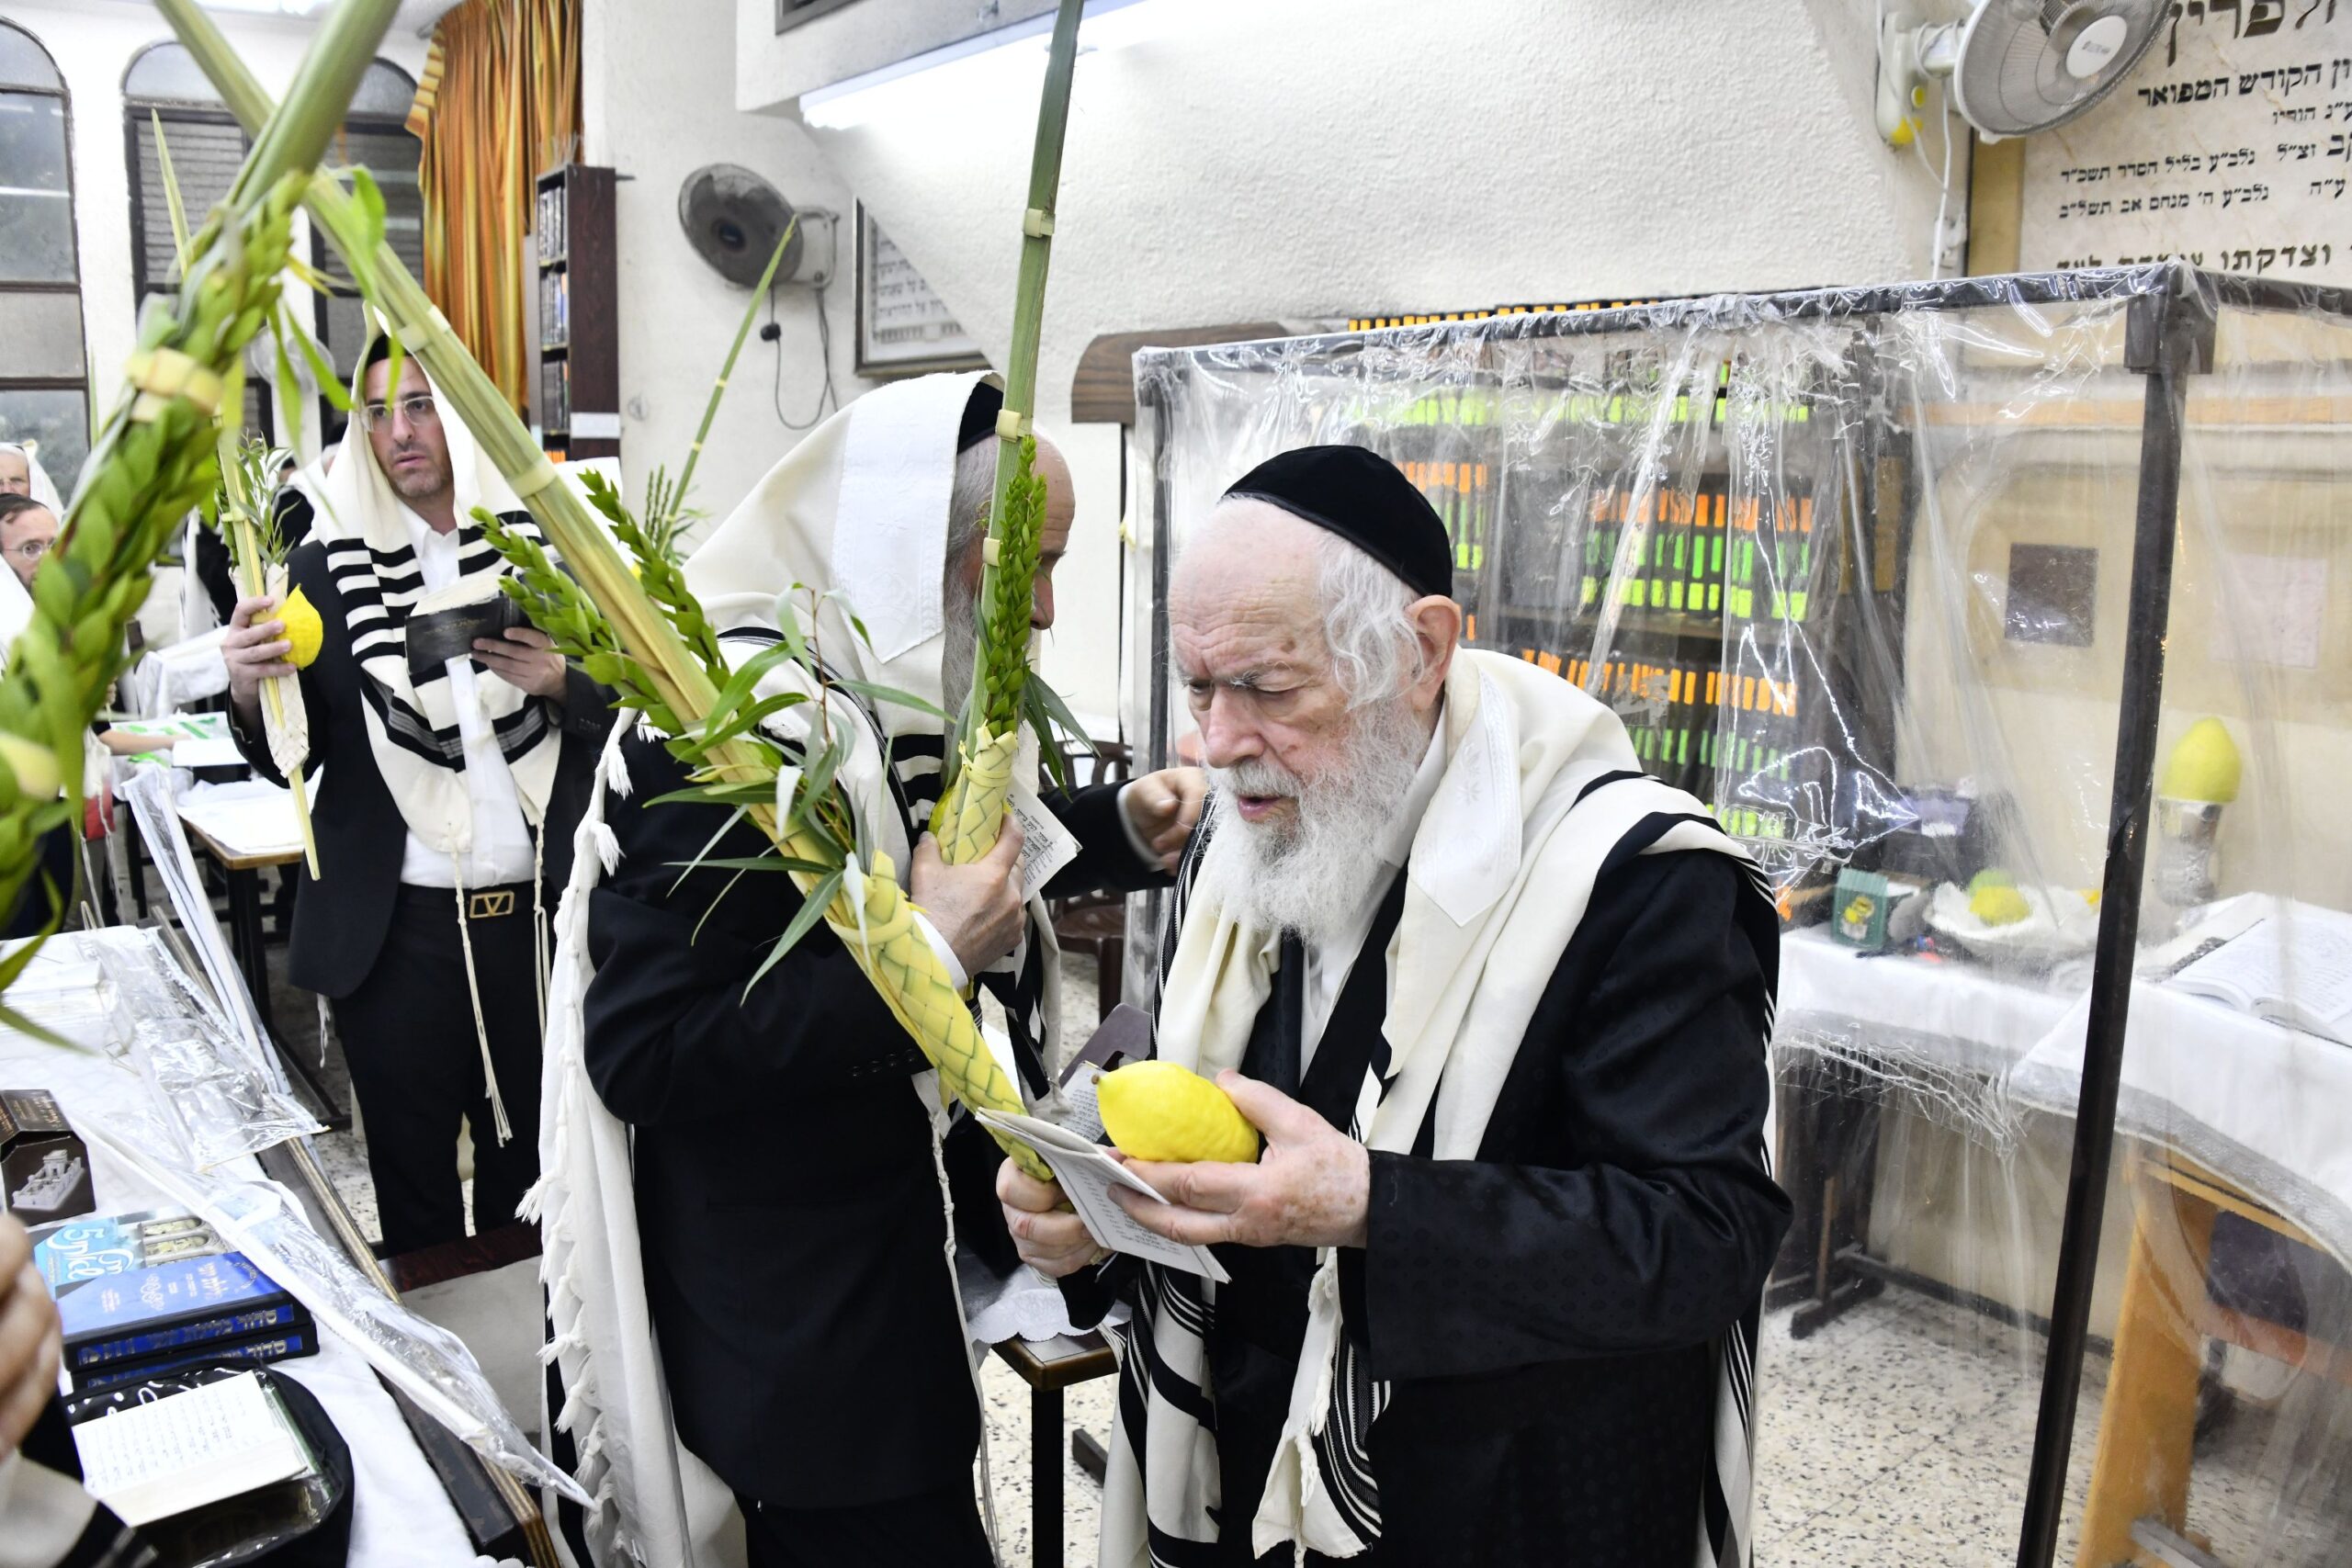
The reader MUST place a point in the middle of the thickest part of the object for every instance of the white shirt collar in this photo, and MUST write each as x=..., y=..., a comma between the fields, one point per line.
x=1396, y=843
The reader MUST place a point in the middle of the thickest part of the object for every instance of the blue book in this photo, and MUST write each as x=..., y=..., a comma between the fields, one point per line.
x=300, y=1340
x=147, y=1312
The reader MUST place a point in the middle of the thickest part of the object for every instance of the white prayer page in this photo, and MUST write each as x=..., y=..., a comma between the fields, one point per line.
x=154, y=1460
x=1087, y=1173
x=1046, y=845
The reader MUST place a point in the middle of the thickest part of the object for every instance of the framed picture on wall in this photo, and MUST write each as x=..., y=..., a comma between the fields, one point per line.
x=903, y=329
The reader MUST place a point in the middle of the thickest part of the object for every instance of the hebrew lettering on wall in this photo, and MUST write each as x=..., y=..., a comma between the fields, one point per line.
x=2230, y=146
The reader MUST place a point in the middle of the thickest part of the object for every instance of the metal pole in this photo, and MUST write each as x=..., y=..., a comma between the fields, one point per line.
x=2169, y=336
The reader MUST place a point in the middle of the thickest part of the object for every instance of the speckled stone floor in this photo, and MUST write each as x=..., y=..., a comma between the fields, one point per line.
x=1900, y=1433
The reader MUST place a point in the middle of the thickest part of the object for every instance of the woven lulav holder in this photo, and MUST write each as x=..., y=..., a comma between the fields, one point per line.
x=895, y=953
x=970, y=817
x=286, y=722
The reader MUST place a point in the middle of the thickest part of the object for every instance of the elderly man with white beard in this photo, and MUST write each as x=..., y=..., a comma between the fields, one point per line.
x=1498, y=1003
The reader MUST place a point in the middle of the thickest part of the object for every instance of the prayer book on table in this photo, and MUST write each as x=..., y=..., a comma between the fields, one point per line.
x=171, y=1308
x=223, y=1440
x=300, y=1338
x=2293, y=970
x=93, y=1245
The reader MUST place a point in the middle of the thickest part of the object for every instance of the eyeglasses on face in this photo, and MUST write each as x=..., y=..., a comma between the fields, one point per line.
x=417, y=409
x=31, y=549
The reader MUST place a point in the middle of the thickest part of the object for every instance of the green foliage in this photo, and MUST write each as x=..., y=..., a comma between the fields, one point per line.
x=822, y=821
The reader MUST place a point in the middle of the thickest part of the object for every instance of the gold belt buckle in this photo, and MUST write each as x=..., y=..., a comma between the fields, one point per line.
x=490, y=905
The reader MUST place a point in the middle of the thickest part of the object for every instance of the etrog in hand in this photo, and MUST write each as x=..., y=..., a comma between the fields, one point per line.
x=303, y=628
x=1160, y=1111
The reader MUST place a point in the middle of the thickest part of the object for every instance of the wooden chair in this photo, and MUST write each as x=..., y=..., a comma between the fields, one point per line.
x=2173, y=1304
x=1096, y=923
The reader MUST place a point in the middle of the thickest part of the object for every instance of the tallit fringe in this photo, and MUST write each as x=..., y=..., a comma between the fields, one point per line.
x=473, y=994
x=936, y=1104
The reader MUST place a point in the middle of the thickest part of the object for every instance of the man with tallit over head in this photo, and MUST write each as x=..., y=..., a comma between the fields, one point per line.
x=1498, y=1004
x=453, y=768
x=788, y=1254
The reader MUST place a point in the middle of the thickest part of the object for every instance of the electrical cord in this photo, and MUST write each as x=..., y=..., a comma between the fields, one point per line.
x=825, y=394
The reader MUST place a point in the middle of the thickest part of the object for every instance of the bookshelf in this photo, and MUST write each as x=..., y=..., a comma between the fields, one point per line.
x=576, y=392
x=1677, y=529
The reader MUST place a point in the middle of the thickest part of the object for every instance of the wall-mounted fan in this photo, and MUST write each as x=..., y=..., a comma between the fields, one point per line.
x=734, y=219
x=2015, y=67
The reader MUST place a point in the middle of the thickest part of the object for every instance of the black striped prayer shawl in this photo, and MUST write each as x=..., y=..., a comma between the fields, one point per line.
x=412, y=729
x=1163, y=1481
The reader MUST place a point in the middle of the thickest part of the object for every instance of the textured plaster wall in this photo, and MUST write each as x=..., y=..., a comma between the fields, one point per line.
x=1306, y=158
x=655, y=104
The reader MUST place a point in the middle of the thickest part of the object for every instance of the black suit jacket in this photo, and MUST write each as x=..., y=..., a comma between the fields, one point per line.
x=340, y=920
x=1542, y=1312
x=785, y=1188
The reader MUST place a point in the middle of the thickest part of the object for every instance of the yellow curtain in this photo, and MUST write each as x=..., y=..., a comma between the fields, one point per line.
x=499, y=103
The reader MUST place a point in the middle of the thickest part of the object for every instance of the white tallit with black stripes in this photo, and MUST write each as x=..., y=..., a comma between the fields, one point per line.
x=413, y=722
x=860, y=508
x=1540, y=786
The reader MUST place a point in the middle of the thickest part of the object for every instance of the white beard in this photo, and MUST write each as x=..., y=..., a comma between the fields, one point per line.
x=1312, y=876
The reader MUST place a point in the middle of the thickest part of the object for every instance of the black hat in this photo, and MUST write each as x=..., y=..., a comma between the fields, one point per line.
x=980, y=415
x=1363, y=497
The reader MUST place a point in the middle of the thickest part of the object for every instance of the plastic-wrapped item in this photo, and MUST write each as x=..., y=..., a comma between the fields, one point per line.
x=2009, y=621
x=222, y=1103
x=424, y=1361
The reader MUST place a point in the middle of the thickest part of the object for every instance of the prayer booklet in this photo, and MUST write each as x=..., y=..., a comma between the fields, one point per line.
x=445, y=623
x=1046, y=845
x=2296, y=973
x=1088, y=1172
x=182, y=1451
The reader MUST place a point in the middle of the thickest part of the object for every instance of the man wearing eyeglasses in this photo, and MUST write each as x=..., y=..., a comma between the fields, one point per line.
x=450, y=790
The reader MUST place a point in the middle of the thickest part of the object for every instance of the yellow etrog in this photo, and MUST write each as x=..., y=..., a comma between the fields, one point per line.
x=303, y=628
x=2204, y=766
x=1999, y=905
x=1157, y=1111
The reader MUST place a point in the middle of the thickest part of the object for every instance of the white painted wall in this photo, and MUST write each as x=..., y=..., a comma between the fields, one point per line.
x=655, y=106
x=93, y=42
x=1319, y=158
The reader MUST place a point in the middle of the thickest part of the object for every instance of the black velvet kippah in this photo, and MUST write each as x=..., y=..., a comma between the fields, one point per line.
x=980, y=415
x=1363, y=497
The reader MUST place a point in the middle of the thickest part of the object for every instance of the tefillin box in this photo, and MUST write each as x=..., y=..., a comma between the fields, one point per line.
x=44, y=1167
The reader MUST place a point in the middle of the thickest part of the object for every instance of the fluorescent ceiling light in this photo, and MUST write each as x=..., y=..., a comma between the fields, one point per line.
x=990, y=63
x=266, y=8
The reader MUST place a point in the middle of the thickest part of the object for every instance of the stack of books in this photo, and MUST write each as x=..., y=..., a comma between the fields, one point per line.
x=189, y=1304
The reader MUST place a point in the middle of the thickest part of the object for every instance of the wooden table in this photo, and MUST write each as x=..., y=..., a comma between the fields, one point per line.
x=2139, y=1488
x=242, y=871
x=1049, y=1366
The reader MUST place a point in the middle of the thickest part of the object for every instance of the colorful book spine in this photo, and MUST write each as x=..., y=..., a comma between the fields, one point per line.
x=302, y=1340
x=163, y=1341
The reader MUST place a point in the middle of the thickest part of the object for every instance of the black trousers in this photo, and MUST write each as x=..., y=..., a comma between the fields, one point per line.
x=408, y=1033
x=934, y=1530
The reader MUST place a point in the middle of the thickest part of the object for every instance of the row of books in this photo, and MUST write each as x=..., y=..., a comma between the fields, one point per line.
x=1374, y=324
x=549, y=222
x=555, y=396
x=555, y=308
x=1705, y=551
x=158, y=1291
x=1694, y=725
x=1463, y=495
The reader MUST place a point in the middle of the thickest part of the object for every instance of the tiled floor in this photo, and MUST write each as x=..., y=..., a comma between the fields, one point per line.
x=1900, y=1433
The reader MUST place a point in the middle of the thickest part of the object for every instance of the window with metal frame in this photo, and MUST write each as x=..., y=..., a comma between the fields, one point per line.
x=44, y=373
x=163, y=90
x=374, y=136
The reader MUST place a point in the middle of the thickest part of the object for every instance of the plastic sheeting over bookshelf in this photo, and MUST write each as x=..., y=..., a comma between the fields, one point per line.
x=1894, y=578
